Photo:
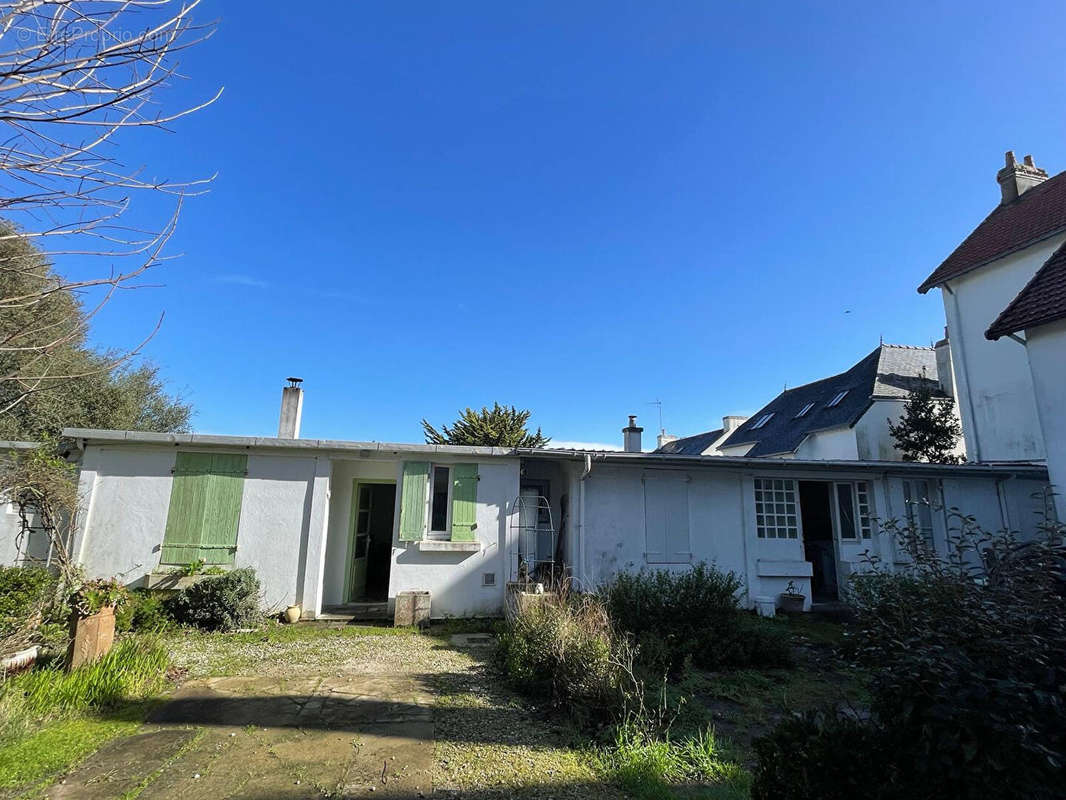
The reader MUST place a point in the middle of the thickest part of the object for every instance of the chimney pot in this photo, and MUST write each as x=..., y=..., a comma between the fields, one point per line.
x=292, y=403
x=1015, y=179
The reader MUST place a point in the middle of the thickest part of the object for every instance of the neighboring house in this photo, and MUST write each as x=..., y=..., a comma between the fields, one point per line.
x=1036, y=322
x=330, y=523
x=994, y=381
x=702, y=444
x=844, y=417
x=17, y=546
x=1008, y=277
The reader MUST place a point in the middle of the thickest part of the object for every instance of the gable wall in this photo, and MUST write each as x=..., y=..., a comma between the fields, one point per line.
x=995, y=385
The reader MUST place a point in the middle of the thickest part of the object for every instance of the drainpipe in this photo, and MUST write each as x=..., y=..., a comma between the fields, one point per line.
x=581, y=518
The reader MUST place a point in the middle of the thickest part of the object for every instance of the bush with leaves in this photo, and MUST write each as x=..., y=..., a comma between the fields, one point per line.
x=968, y=666
x=565, y=650
x=219, y=602
x=27, y=599
x=692, y=617
x=143, y=611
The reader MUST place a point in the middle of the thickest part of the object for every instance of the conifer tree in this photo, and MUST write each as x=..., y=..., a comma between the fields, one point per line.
x=928, y=430
x=499, y=426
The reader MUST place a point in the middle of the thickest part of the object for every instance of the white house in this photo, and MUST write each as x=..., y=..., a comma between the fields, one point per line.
x=333, y=524
x=844, y=417
x=1003, y=299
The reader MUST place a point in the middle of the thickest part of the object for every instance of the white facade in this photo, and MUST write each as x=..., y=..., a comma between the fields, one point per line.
x=612, y=512
x=720, y=518
x=1045, y=347
x=294, y=521
x=993, y=379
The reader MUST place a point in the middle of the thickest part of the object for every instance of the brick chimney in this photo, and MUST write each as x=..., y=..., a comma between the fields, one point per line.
x=1015, y=179
x=292, y=406
x=631, y=435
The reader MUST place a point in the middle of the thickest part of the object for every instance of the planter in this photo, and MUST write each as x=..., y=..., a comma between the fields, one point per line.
x=412, y=608
x=91, y=636
x=17, y=662
x=793, y=603
x=293, y=613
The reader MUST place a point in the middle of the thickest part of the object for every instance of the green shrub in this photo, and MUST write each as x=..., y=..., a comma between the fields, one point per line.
x=219, y=603
x=691, y=617
x=27, y=600
x=566, y=651
x=968, y=678
x=826, y=756
x=143, y=611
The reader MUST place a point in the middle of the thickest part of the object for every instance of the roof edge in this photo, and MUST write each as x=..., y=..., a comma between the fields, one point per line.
x=929, y=284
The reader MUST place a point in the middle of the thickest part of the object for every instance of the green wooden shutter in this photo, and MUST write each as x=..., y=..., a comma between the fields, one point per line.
x=205, y=508
x=413, y=500
x=222, y=508
x=464, y=502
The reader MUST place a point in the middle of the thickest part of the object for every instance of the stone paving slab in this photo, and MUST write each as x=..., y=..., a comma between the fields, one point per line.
x=256, y=738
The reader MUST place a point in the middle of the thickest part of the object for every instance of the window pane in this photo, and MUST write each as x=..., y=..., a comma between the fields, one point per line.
x=439, y=508
x=847, y=511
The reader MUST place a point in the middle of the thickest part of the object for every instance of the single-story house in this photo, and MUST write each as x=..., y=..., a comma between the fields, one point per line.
x=328, y=524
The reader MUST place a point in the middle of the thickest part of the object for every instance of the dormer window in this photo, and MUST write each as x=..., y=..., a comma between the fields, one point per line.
x=836, y=400
x=803, y=411
x=762, y=421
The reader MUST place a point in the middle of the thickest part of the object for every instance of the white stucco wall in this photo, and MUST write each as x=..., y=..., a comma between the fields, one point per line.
x=1046, y=350
x=126, y=497
x=995, y=385
x=9, y=528
x=830, y=444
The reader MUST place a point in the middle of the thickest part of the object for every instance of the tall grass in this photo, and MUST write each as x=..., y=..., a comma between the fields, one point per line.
x=135, y=669
x=649, y=767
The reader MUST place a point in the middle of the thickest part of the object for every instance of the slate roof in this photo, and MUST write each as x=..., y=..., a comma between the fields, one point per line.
x=1036, y=214
x=890, y=371
x=691, y=445
x=1042, y=300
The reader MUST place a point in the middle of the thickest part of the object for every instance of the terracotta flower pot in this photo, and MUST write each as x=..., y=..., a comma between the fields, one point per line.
x=293, y=613
x=91, y=636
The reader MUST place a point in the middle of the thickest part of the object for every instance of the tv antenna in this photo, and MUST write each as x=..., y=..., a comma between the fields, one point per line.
x=658, y=404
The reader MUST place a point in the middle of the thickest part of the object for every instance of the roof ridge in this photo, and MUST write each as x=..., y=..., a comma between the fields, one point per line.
x=907, y=346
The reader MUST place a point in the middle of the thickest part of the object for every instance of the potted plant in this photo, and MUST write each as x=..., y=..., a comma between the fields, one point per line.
x=792, y=599
x=93, y=620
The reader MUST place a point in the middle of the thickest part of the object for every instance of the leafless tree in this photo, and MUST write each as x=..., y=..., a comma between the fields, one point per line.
x=75, y=77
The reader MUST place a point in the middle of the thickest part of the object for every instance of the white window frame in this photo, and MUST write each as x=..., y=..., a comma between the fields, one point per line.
x=766, y=508
x=763, y=420
x=836, y=400
x=430, y=532
x=864, y=508
x=804, y=411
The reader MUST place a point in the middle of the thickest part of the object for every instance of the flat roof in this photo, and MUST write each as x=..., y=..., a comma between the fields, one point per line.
x=1002, y=469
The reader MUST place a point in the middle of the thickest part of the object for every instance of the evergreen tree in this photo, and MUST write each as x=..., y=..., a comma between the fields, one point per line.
x=499, y=426
x=928, y=430
x=49, y=376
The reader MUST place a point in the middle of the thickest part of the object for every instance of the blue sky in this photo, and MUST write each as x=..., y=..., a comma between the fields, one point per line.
x=575, y=208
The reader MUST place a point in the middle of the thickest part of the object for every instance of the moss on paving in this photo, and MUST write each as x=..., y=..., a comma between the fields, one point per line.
x=28, y=764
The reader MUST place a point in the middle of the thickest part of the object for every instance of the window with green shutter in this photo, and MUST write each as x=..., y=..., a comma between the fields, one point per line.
x=413, y=500
x=464, y=502
x=205, y=508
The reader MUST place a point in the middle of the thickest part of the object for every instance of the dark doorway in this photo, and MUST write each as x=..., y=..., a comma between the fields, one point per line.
x=372, y=541
x=818, y=544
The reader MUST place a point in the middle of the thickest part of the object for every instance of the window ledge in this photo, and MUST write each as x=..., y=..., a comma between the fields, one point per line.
x=442, y=546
